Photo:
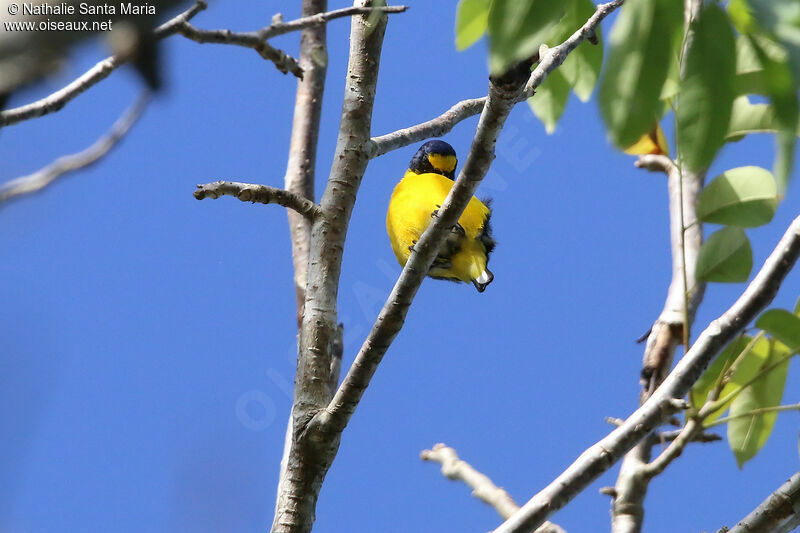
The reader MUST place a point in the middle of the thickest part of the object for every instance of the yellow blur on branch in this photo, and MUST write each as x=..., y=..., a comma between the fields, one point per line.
x=652, y=142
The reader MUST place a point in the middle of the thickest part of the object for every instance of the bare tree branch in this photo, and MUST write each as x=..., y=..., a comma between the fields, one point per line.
x=91, y=77
x=278, y=27
x=299, y=180
x=262, y=194
x=602, y=455
x=436, y=127
x=180, y=24
x=70, y=163
x=482, y=487
x=282, y=61
x=779, y=513
x=300, y=168
x=257, y=40
x=313, y=450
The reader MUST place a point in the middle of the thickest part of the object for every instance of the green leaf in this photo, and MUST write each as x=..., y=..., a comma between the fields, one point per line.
x=517, y=29
x=644, y=41
x=671, y=87
x=741, y=16
x=582, y=66
x=749, y=118
x=748, y=434
x=747, y=366
x=784, y=159
x=797, y=307
x=725, y=257
x=781, y=88
x=472, y=19
x=782, y=19
x=708, y=89
x=550, y=100
x=782, y=325
x=703, y=386
x=745, y=196
x=749, y=72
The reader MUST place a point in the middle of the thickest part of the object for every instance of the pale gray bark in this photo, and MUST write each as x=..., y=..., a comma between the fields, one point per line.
x=482, y=486
x=259, y=194
x=779, y=513
x=299, y=177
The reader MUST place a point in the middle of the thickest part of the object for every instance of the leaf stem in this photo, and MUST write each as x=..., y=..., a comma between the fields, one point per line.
x=756, y=412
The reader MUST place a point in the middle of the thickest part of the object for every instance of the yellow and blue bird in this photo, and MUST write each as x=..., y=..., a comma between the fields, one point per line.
x=464, y=256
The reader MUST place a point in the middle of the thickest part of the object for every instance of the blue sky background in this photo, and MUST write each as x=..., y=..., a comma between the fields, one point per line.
x=148, y=339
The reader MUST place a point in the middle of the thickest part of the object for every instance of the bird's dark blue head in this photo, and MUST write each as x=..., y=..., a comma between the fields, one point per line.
x=434, y=156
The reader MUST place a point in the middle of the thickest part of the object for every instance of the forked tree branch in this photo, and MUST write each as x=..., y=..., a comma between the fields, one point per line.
x=482, y=486
x=602, y=455
x=779, y=513
x=70, y=163
x=258, y=194
x=91, y=77
x=282, y=61
x=501, y=98
x=257, y=40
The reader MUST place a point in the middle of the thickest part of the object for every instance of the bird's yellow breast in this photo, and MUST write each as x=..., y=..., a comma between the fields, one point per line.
x=409, y=214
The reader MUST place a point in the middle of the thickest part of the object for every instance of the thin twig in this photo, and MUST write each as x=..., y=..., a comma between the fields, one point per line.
x=262, y=194
x=278, y=27
x=602, y=455
x=482, y=486
x=70, y=163
x=257, y=40
x=755, y=412
x=282, y=61
x=91, y=77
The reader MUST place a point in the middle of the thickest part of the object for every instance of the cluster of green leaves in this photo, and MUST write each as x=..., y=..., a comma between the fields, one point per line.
x=752, y=47
x=747, y=381
x=516, y=31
